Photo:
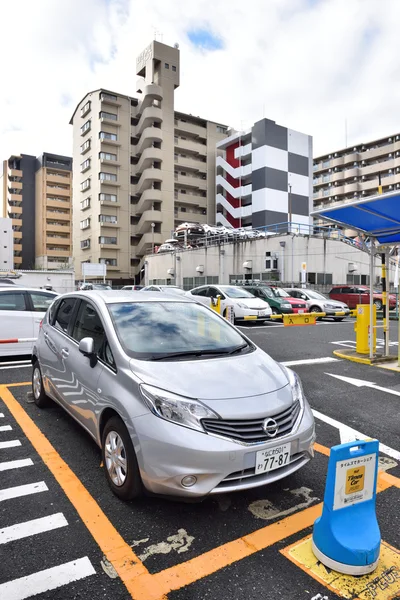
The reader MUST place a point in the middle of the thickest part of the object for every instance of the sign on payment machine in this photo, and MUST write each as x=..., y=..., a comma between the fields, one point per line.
x=346, y=538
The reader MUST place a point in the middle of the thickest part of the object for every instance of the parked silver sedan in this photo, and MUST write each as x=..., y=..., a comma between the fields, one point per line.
x=179, y=400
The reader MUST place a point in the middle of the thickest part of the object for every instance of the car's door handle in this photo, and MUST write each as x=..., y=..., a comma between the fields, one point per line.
x=65, y=352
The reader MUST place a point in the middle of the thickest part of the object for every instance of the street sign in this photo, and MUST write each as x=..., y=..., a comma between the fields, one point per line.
x=299, y=319
x=94, y=269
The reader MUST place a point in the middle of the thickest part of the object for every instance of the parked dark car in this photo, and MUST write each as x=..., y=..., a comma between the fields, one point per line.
x=279, y=305
x=359, y=294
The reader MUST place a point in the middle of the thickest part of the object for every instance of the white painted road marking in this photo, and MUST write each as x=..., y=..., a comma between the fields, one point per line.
x=5, y=428
x=49, y=579
x=15, y=464
x=23, y=490
x=310, y=361
x=180, y=542
x=264, y=509
x=15, y=367
x=26, y=363
x=348, y=434
x=362, y=383
x=1, y=415
x=22, y=530
x=10, y=444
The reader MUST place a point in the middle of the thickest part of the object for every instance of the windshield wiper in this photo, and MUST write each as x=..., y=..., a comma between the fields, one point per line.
x=215, y=351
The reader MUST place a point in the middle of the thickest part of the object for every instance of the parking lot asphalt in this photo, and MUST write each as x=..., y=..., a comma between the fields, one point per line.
x=58, y=515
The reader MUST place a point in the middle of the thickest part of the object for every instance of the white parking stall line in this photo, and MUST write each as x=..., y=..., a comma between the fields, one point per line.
x=23, y=490
x=1, y=415
x=5, y=428
x=33, y=527
x=16, y=367
x=15, y=464
x=10, y=444
x=49, y=579
x=27, y=363
x=310, y=361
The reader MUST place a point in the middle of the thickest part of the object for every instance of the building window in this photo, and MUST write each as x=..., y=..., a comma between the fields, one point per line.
x=107, y=240
x=85, y=165
x=85, y=224
x=86, y=127
x=105, y=96
x=104, y=135
x=111, y=262
x=85, y=147
x=109, y=116
x=221, y=129
x=107, y=156
x=85, y=108
x=174, y=68
x=183, y=209
x=85, y=203
x=166, y=65
x=107, y=176
x=108, y=198
x=85, y=244
x=85, y=185
x=107, y=219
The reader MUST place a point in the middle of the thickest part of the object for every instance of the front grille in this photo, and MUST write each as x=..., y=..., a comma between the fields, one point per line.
x=251, y=431
x=298, y=306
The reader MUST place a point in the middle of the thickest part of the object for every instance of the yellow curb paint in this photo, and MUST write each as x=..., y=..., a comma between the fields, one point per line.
x=356, y=359
x=115, y=549
x=382, y=584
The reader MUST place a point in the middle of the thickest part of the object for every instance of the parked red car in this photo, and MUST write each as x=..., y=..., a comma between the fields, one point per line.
x=298, y=306
x=359, y=294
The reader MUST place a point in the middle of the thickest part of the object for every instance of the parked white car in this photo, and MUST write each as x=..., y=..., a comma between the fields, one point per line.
x=245, y=306
x=21, y=311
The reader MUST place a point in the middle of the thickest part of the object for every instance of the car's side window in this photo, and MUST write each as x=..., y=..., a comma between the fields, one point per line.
x=88, y=324
x=41, y=301
x=12, y=301
x=212, y=292
x=200, y=292
x=64, y=314
x=106, y=355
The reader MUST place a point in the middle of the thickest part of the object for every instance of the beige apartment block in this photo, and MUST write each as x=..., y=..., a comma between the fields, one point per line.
x=354, y=172
x=37, y=196
x=140, y=168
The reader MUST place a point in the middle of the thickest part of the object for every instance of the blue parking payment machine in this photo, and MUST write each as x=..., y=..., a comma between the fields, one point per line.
x=346, y=537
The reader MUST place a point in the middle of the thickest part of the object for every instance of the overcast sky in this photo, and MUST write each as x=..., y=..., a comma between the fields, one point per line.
x=306, y=64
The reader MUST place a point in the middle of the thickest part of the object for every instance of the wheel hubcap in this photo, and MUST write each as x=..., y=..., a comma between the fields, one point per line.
x=37, y=383
x=115, y=458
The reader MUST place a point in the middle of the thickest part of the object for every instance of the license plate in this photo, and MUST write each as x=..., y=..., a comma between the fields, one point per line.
x=261, y=313
x=301, y=311
x=272, y=458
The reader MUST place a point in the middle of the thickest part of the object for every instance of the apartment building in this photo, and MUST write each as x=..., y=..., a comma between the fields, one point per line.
x=140, y=168
x=37, y=197
x=264, y=177
x=355, y=172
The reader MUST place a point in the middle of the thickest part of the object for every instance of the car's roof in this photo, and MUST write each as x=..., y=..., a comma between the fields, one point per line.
x=115, y=296
x=20, y=288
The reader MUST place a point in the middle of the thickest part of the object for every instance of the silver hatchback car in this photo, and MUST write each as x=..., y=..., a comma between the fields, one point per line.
x=180, y=402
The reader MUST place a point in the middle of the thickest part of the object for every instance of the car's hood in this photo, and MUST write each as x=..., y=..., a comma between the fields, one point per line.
x=252, y=302
x=295, y=301
x=336, y=303
x=214, y=379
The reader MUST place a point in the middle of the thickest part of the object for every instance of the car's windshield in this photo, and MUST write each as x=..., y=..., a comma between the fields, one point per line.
x=280, y=293
x=266, y=291
x=316, y=295
x=236, y=292
x=100, y=286
x=148, y=330
x=173, y=290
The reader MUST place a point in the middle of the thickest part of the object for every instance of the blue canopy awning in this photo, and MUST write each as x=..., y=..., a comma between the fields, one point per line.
x=377, y=216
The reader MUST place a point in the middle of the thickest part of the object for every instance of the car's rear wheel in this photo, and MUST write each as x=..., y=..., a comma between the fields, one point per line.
x=120, y=462
x=39, y=396
x=378, y=304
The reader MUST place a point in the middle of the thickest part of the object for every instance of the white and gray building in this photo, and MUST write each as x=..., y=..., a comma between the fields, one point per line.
x=6, y=245
x=264, y=177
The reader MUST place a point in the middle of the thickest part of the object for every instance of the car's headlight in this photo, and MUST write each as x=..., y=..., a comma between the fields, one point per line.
x=329, y=306
x=284, y=305
x=241, y=305
x=177, y=409
x=295, y=384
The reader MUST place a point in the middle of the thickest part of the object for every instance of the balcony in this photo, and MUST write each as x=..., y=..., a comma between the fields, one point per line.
x=351, y=187
x=58, y=191
x=109, y=203
x=193, y=182
x=64, y=253
x=16, y=210
x=58, y=240
x=146, y=200
x=108, y=224
x=16, y=185
x=191, y=146
x=109, y=183
x=191, y=199
x=147, y=178
x=355, y=172
x=17, y=237
x=107, y=142
x=15, y=173
x=106, y=161
x=145, y=243
x=57, y=215
x=50, y=178
x=337, y=162
x=144, y=225
x=109, y=246
x=147, y=158
x=378, y=152
x=190, y=163
x=18, y=247
x=17, y=260
x=191, y=128
x=110, y=99
x=110, y=120
x=17, y=222
x=353, y=157
x=148, y=137
x=149, y=115
x=57, y=228
x=52, y=203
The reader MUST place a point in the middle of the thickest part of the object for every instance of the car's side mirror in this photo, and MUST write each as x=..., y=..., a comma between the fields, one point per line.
x=86, y=347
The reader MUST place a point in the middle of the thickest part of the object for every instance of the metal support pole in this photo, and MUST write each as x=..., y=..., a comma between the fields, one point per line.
x=384, y=304
x=292, y=261
x=371, y=300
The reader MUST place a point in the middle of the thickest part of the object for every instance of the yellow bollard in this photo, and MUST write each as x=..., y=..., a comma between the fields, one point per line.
x=363, y=329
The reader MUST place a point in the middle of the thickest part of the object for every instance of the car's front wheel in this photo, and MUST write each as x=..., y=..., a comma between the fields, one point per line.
x=120, y=462
x=39, y=396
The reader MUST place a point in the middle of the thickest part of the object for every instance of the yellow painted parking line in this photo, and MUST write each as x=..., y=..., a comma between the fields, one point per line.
x=139, y=582
x=382, y=584
x=112, y=545
x=8, y=385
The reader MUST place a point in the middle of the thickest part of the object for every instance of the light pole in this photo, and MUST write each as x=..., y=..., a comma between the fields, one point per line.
x=152, y=237
x=290, y=206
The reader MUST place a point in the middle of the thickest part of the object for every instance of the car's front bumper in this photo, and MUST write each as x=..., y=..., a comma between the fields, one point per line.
x=242, y=314
x=332, y=312
x=167, y=452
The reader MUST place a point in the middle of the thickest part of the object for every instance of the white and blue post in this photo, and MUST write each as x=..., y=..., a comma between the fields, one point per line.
x=346, y=538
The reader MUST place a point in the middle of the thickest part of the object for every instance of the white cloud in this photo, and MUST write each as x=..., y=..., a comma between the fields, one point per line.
x=307, y=64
